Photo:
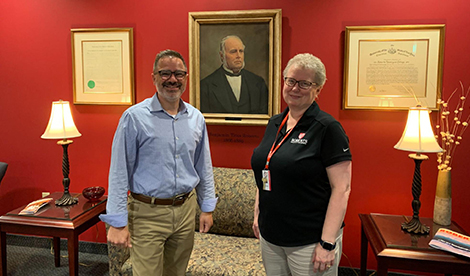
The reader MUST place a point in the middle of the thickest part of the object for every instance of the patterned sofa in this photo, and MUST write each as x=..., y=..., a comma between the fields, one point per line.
x=230, y=247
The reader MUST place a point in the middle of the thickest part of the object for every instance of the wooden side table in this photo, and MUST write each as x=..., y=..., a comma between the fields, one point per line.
x=397, y=249
x=53, y=221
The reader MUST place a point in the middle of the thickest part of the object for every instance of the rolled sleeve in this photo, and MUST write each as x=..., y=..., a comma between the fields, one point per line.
x=207, y=205
x=117, y=220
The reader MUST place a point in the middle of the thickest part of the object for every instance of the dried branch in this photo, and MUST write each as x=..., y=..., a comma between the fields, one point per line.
x=450, y=128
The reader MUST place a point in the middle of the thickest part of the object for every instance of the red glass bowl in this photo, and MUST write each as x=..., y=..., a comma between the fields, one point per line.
x=93, y=193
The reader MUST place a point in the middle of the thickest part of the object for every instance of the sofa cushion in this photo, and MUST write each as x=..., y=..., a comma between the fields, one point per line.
x=221, y=255
x=213, y=254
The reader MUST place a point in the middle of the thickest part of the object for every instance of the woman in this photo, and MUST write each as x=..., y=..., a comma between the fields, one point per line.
x=303, y=173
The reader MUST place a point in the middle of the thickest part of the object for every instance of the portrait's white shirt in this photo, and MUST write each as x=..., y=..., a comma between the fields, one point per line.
x=235, y=83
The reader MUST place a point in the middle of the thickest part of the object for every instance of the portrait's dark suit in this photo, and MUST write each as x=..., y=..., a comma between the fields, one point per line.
x=217, y=96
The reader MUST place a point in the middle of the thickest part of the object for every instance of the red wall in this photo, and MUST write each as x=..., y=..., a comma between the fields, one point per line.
x=36, y=69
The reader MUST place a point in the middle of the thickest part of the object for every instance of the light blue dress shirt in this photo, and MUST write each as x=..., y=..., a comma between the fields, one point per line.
x=159, y=155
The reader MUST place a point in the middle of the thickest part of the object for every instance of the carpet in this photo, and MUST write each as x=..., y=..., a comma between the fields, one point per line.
x=31, y=256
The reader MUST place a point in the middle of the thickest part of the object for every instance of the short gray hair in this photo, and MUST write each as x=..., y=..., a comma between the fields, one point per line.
x=168, y=53
x=308, y=61
x=222, y=42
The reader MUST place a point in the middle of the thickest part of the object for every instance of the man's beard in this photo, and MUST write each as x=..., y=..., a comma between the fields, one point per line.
x=171, y=96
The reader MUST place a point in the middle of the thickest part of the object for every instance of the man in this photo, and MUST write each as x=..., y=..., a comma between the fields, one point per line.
x=160, y=153
x=232, y=89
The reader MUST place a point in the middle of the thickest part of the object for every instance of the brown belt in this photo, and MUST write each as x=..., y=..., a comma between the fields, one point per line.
x=174, y=201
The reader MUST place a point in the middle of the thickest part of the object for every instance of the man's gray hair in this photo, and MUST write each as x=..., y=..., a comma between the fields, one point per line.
x=222, y=42
x=308, y=61
x=167, y=53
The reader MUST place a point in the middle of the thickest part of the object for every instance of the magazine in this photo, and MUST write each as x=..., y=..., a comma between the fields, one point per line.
x=34, y=206
x=451, y=241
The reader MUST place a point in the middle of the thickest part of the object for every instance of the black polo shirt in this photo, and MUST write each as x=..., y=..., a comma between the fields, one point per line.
x=293, y=212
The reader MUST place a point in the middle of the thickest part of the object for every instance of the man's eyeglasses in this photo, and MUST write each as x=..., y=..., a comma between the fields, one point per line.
x=302, y=83
x=166, y=74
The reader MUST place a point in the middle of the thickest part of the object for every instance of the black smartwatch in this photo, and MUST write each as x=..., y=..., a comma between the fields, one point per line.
x=327, y=245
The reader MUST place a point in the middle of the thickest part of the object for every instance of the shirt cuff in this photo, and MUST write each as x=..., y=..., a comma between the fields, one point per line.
x=208, y=205
x=118, y=220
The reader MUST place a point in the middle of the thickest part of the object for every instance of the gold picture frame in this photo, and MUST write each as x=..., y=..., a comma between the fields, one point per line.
x=103, y=66
x=260, y=32
x=393, y=67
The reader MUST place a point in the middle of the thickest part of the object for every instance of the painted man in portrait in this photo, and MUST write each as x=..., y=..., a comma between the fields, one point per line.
x=231, y=88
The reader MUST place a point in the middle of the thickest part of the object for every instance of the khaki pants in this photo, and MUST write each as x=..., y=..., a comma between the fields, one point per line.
x=162, y=237
x=296, y=261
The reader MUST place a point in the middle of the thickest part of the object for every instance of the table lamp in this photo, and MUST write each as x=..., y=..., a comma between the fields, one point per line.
x=61, y=126
x=417, y=137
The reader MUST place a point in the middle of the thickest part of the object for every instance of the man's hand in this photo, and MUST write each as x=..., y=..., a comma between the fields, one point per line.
x=119, y=236
x=205, y=222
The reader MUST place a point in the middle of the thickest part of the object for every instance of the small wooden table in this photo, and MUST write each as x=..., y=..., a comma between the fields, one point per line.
x=53, y=221
x=397, y=249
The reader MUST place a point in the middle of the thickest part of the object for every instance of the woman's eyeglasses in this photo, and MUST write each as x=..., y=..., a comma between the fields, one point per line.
x=302, y=83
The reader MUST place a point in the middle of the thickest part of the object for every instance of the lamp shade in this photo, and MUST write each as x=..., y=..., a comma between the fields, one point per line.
x=61, y=125
x=418, y=135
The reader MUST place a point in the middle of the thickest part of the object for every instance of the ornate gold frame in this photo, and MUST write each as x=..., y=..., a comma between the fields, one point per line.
x=273, y=20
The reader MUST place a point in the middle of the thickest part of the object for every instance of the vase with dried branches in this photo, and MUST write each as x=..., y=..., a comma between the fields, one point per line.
x=452, y=122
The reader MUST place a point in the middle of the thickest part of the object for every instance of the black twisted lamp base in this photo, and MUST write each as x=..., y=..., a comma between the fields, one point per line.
x=414, y=225
x=66, y=198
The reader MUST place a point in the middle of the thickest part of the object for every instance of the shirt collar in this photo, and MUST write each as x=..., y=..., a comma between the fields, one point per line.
x=156, y=106
x=309, y=114
x=231, y=73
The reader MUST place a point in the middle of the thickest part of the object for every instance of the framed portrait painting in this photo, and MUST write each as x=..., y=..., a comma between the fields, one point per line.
x=235, y=65
x=393, y=67
x=103, y=66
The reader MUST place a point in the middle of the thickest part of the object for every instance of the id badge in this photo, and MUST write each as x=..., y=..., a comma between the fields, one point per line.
x=266, y=180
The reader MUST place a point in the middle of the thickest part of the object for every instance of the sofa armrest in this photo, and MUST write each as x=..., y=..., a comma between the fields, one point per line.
x=119, y=259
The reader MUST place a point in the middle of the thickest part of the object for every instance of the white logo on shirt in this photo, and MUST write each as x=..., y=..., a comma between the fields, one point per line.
x=299, y=141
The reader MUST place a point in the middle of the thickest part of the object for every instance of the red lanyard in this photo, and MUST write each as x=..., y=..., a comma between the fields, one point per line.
x=274, y=149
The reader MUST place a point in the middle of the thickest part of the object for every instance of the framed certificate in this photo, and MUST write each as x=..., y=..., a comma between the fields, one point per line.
x=103, y=66
x=393, y=67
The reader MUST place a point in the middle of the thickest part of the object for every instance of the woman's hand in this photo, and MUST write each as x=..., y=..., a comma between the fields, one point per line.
x=322, y=259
